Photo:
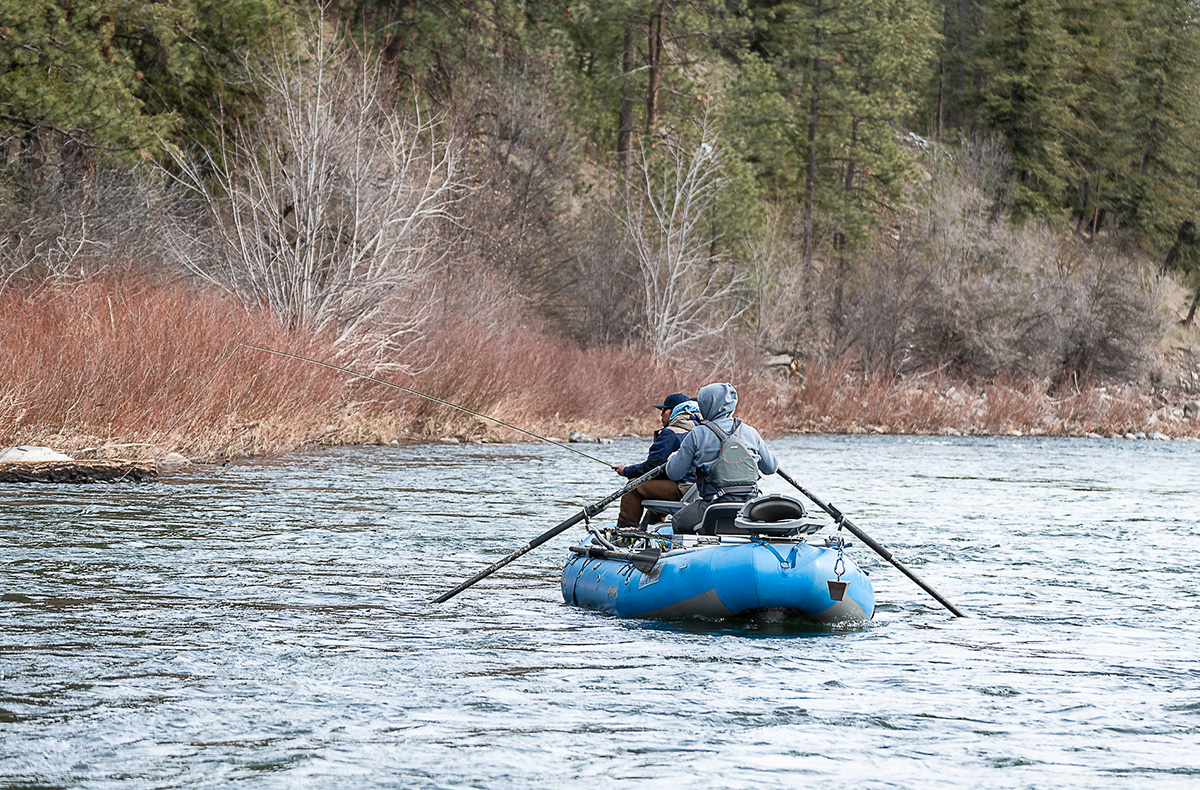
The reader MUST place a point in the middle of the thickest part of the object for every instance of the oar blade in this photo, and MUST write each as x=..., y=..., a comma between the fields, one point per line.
x=645, y=561
x=841, y=521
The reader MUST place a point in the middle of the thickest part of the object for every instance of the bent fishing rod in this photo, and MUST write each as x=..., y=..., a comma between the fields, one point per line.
x=393, y=385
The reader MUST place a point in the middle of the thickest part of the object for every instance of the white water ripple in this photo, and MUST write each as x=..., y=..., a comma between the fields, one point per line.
x=268, y=624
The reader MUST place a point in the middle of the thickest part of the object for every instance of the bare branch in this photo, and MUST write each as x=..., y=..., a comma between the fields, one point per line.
x=331, y=207
x=690, y=291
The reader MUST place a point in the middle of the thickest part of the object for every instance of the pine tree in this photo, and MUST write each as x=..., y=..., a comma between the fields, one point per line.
x=1160, y=130
x=847, y=76
x=67, y=72
x=119, y=76
x=1024, y=60
x=1102, y=45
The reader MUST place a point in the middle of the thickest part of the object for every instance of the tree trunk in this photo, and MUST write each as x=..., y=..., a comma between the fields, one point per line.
x=941, y=88
x=961, y=86
x=625, y=117
x=656, y=55
x=1192, y=310
x=1152, y=133
x=1184, y=235
x=810, y=169
x=841, y=243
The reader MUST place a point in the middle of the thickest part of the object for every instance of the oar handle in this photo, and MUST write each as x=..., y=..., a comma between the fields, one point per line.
x=841, y=520
x=587, y=512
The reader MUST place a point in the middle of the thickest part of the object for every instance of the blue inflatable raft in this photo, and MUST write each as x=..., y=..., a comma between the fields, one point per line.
x=764, y=559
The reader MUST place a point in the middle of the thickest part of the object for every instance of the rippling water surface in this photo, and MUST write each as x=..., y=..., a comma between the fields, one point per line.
x=268, y=625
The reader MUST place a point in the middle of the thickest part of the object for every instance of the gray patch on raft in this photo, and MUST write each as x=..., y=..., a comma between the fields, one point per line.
x=706, y=604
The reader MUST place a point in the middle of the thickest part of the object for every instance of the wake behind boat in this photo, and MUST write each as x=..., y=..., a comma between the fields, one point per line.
x=765, y=558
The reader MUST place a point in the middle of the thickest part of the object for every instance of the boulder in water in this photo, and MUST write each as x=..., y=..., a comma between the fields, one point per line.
x=585, y=438
x=172, y=462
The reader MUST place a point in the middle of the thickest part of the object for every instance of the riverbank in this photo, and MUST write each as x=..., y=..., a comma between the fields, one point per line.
x=113, y=370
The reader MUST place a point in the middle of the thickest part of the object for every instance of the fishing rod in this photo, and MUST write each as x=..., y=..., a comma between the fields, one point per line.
x=410, y=391
x=583, y=515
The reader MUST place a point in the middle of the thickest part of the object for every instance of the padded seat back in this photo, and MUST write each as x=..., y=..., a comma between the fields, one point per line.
x=773, y=507
x=772, y=514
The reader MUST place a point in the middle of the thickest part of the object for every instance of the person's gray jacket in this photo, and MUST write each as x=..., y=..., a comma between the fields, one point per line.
x=700, y=447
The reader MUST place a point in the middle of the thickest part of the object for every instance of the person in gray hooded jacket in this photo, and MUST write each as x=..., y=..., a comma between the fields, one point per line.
x=699, y=451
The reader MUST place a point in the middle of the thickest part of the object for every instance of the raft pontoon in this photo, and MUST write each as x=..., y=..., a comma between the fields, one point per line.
x=765, y=558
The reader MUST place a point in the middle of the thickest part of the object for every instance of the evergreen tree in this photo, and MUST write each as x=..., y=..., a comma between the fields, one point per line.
x=1025, y=56
x=1101, y=34
x=951, y=96
x=116, y=76
x=846, y=77
x=1159, y=197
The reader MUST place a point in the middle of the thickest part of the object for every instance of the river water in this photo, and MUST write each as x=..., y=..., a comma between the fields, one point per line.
x=267, y=625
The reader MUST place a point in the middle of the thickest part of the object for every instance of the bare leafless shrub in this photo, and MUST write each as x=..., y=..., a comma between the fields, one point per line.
x=1110, y=314
x=780, y=310
x=523, y=218
x=606, y=302
x=879, y=310
x=960, y=285
x=67, y=216
x=330, y=207
x=689, y=290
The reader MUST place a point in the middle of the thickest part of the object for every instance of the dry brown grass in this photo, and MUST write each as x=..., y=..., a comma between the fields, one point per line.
x=548, y=384
x=102, y=363
x=122, y=368
x=839, y=398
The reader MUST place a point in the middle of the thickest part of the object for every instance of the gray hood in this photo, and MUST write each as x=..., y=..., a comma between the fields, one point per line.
x=717, y=401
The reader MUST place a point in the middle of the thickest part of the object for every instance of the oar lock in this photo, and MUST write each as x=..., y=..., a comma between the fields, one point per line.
x=837, y=587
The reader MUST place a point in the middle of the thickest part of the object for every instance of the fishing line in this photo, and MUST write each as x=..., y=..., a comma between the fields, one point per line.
x=409, y=390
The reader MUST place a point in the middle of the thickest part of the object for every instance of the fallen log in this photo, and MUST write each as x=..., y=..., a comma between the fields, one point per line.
x=77, y=471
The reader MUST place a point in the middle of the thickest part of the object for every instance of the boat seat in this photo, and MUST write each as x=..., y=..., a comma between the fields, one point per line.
x=719, y=519
x=771, y=514
x=664, y=506
x=667, y=507
x=773, y=507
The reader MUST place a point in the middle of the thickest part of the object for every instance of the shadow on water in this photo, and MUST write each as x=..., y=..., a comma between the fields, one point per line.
x=749, y=627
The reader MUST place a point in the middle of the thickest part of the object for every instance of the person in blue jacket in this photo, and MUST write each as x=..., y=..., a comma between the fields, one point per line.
x=679, y=414
x=698, y=452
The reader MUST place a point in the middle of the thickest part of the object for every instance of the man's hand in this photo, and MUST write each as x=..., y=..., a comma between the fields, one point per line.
x=619, y=469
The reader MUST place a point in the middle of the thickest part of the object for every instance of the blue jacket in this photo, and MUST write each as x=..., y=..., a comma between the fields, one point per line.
x=699, y=448
x=666, y=442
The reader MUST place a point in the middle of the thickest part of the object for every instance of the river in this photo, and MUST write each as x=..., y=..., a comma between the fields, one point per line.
x=268, y=625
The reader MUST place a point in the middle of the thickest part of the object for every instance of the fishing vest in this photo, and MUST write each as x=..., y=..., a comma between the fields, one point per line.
x=735, y=471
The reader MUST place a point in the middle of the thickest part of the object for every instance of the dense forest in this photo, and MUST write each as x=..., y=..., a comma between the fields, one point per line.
x=969, y=191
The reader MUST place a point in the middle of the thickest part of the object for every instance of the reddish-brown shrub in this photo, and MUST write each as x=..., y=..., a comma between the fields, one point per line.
x=149, y=367
x=103, y=362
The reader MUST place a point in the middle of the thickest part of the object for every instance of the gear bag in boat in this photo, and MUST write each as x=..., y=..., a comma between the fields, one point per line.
x=735, y=472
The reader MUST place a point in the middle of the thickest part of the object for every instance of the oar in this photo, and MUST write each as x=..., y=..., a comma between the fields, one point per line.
x=587, y=512
x=644, y=560
x=842, y=521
